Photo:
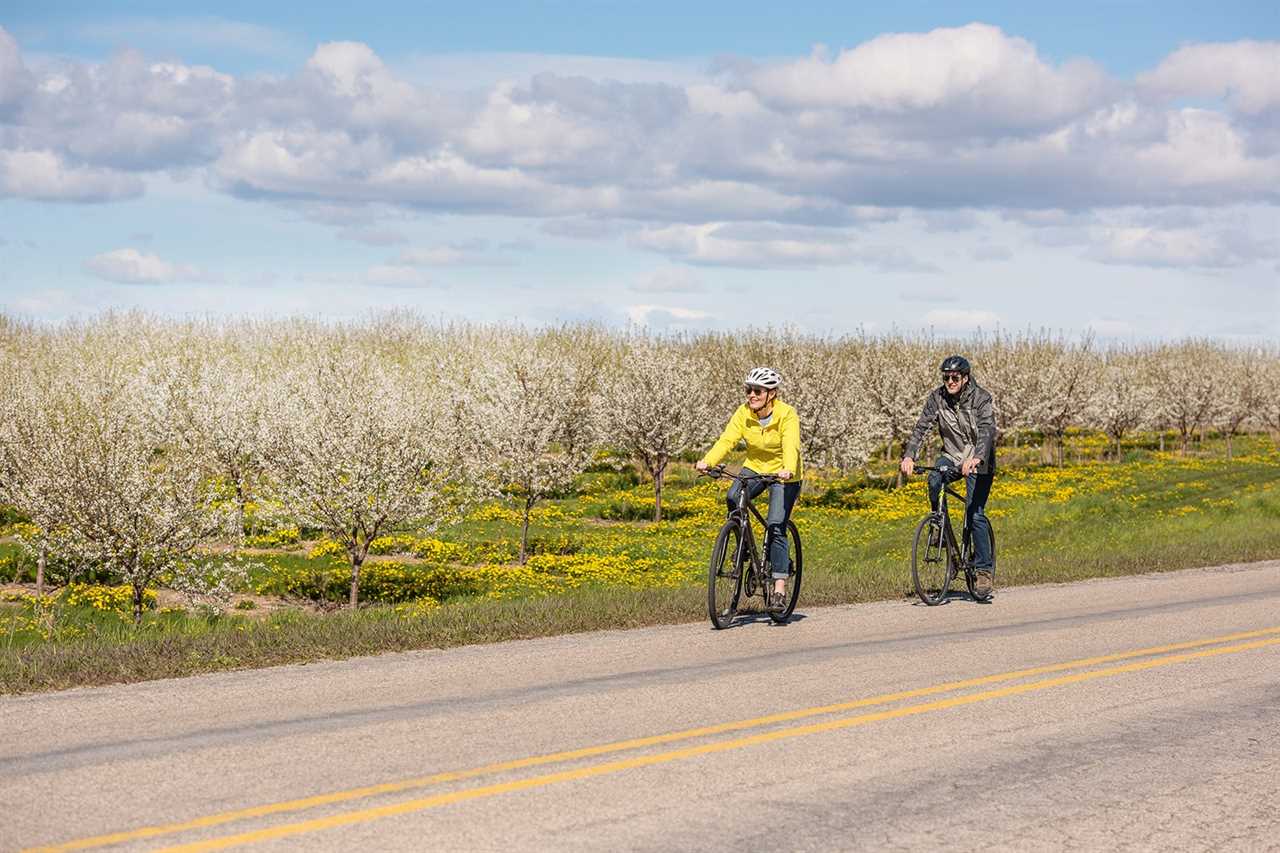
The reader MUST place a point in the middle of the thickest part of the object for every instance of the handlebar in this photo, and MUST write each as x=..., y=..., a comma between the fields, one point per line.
x=718, y=472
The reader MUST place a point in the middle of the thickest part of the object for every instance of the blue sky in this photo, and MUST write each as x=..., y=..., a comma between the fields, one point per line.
x=837, y=167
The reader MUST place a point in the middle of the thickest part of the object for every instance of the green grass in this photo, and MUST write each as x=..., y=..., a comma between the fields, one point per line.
x=1150, y=513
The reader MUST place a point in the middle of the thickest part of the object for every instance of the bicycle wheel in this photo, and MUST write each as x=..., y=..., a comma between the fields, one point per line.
x=930, y=563
x=794, y=573
x=724, y=576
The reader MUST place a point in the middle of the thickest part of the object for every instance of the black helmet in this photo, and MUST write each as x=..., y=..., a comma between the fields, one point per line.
x=955, y=364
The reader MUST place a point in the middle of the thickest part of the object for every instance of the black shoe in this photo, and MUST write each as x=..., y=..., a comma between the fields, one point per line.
x=983, y=584
x=777, y=601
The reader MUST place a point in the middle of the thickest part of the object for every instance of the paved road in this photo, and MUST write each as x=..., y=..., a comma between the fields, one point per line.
x=1133, y=714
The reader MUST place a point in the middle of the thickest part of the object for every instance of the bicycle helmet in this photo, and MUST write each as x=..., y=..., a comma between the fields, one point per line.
x=765, y=377
x=955, y=364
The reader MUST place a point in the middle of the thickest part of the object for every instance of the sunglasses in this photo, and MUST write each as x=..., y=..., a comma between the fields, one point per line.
x=755, y=389
x=952, y=377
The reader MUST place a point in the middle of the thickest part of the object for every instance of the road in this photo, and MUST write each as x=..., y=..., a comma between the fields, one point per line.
x=1123, y=714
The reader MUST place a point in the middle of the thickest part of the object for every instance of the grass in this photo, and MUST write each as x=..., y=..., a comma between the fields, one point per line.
x=600, y=568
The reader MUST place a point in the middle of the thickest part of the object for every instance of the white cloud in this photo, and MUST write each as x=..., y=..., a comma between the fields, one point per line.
x=663, y=315
x=373, y=236
x=1245, y=73
x=961, y=320
x=44, y=176
x=716, y=243
x=1176, y=247
x=976, y=67
x=130, y=266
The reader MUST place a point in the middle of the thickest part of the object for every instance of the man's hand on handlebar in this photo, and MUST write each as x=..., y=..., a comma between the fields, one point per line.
x=969, y=465
x=784, y=474
x=908, y=465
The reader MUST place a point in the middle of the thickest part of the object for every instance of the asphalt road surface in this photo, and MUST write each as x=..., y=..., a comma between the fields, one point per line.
x=1131, y=714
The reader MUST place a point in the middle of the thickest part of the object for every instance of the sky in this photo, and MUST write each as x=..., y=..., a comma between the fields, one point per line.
x=840, y=167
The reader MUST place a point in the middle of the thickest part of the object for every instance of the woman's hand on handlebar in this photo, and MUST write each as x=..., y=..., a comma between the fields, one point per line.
x=701, y=466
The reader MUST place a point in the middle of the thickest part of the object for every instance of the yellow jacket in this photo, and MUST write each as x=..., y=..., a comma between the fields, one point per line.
x=769, y=449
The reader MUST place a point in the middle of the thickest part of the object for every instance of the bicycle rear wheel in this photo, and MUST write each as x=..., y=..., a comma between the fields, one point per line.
x=930, y=562
x=794, y=574
x=724, y=576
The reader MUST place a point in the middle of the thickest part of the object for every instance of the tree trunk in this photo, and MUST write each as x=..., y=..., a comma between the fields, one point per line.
x=1228, y=445
x=137, y=603
x=240, y=502
x=524, y=532
x=356, y=562
x=1117, y=448
x=40, y=561
x=659, y=474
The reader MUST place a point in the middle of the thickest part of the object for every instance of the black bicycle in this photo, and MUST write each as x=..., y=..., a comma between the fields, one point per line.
x=936, y=557
x=736, y=565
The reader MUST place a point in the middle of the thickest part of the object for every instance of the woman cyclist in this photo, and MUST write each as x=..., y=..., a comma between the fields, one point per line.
x=771, y=429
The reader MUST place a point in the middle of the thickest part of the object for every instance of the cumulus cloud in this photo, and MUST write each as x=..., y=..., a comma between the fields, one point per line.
x=1176, y=247
x=130, y=266
x=720, y=244
x=1245, y=73
x=662, y=316
x=976, y=70
x=785, y=163
x=45, y=176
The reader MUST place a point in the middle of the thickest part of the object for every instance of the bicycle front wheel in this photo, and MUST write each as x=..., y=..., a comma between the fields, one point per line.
x=724, y=576
x=930, y=562
x=794, y=572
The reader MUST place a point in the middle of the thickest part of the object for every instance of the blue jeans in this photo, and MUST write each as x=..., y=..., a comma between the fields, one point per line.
x=782, y=497
x=977, y=490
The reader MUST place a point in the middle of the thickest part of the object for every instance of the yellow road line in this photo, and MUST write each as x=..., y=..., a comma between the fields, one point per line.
x=348, y=795
x=375, y=813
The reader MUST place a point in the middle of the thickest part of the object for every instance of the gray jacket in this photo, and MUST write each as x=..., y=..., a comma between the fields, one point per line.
x=966, y=423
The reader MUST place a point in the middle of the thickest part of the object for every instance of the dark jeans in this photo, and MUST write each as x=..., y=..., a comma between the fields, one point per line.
x=782, y=497
x=977, y=489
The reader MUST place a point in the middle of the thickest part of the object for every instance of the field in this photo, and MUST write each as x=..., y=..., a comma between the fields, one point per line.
x=596, y=562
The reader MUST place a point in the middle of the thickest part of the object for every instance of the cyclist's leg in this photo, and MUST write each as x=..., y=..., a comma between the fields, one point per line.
x=731, y=499
x=936, y=483
x=978, y=489
x=782, y=497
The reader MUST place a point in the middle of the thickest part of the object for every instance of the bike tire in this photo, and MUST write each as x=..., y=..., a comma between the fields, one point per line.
x=931, y=568
x=724, y=576
x=794, y=574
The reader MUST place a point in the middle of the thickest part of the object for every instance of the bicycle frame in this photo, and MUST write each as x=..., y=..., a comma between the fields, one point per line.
x=747, y=540
x=954, y=548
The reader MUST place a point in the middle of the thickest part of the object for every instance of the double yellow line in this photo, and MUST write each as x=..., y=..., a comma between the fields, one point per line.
x=1157, y=656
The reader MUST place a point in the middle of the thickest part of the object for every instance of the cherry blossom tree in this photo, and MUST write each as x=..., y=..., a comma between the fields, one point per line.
x=1070, y=378
x=1242, y=373
x=533, y=408
x=655, y=403
x=355, y=446
x=1125, y=398
x=95, y=456
x=1190, y=389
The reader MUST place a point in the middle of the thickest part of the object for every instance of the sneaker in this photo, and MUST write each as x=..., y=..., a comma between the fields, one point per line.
x=983, y=584
x=777, y=601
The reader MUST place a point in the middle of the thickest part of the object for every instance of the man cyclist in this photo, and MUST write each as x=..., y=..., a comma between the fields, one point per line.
x=965, y=417
x=771, y=429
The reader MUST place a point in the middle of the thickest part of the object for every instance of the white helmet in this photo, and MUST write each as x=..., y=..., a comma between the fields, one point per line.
x=765, y=377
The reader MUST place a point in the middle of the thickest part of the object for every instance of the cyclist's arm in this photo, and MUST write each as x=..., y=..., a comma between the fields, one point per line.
x=731, y=436
x=790, y=427
x=928, y=418
x=985, y=415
